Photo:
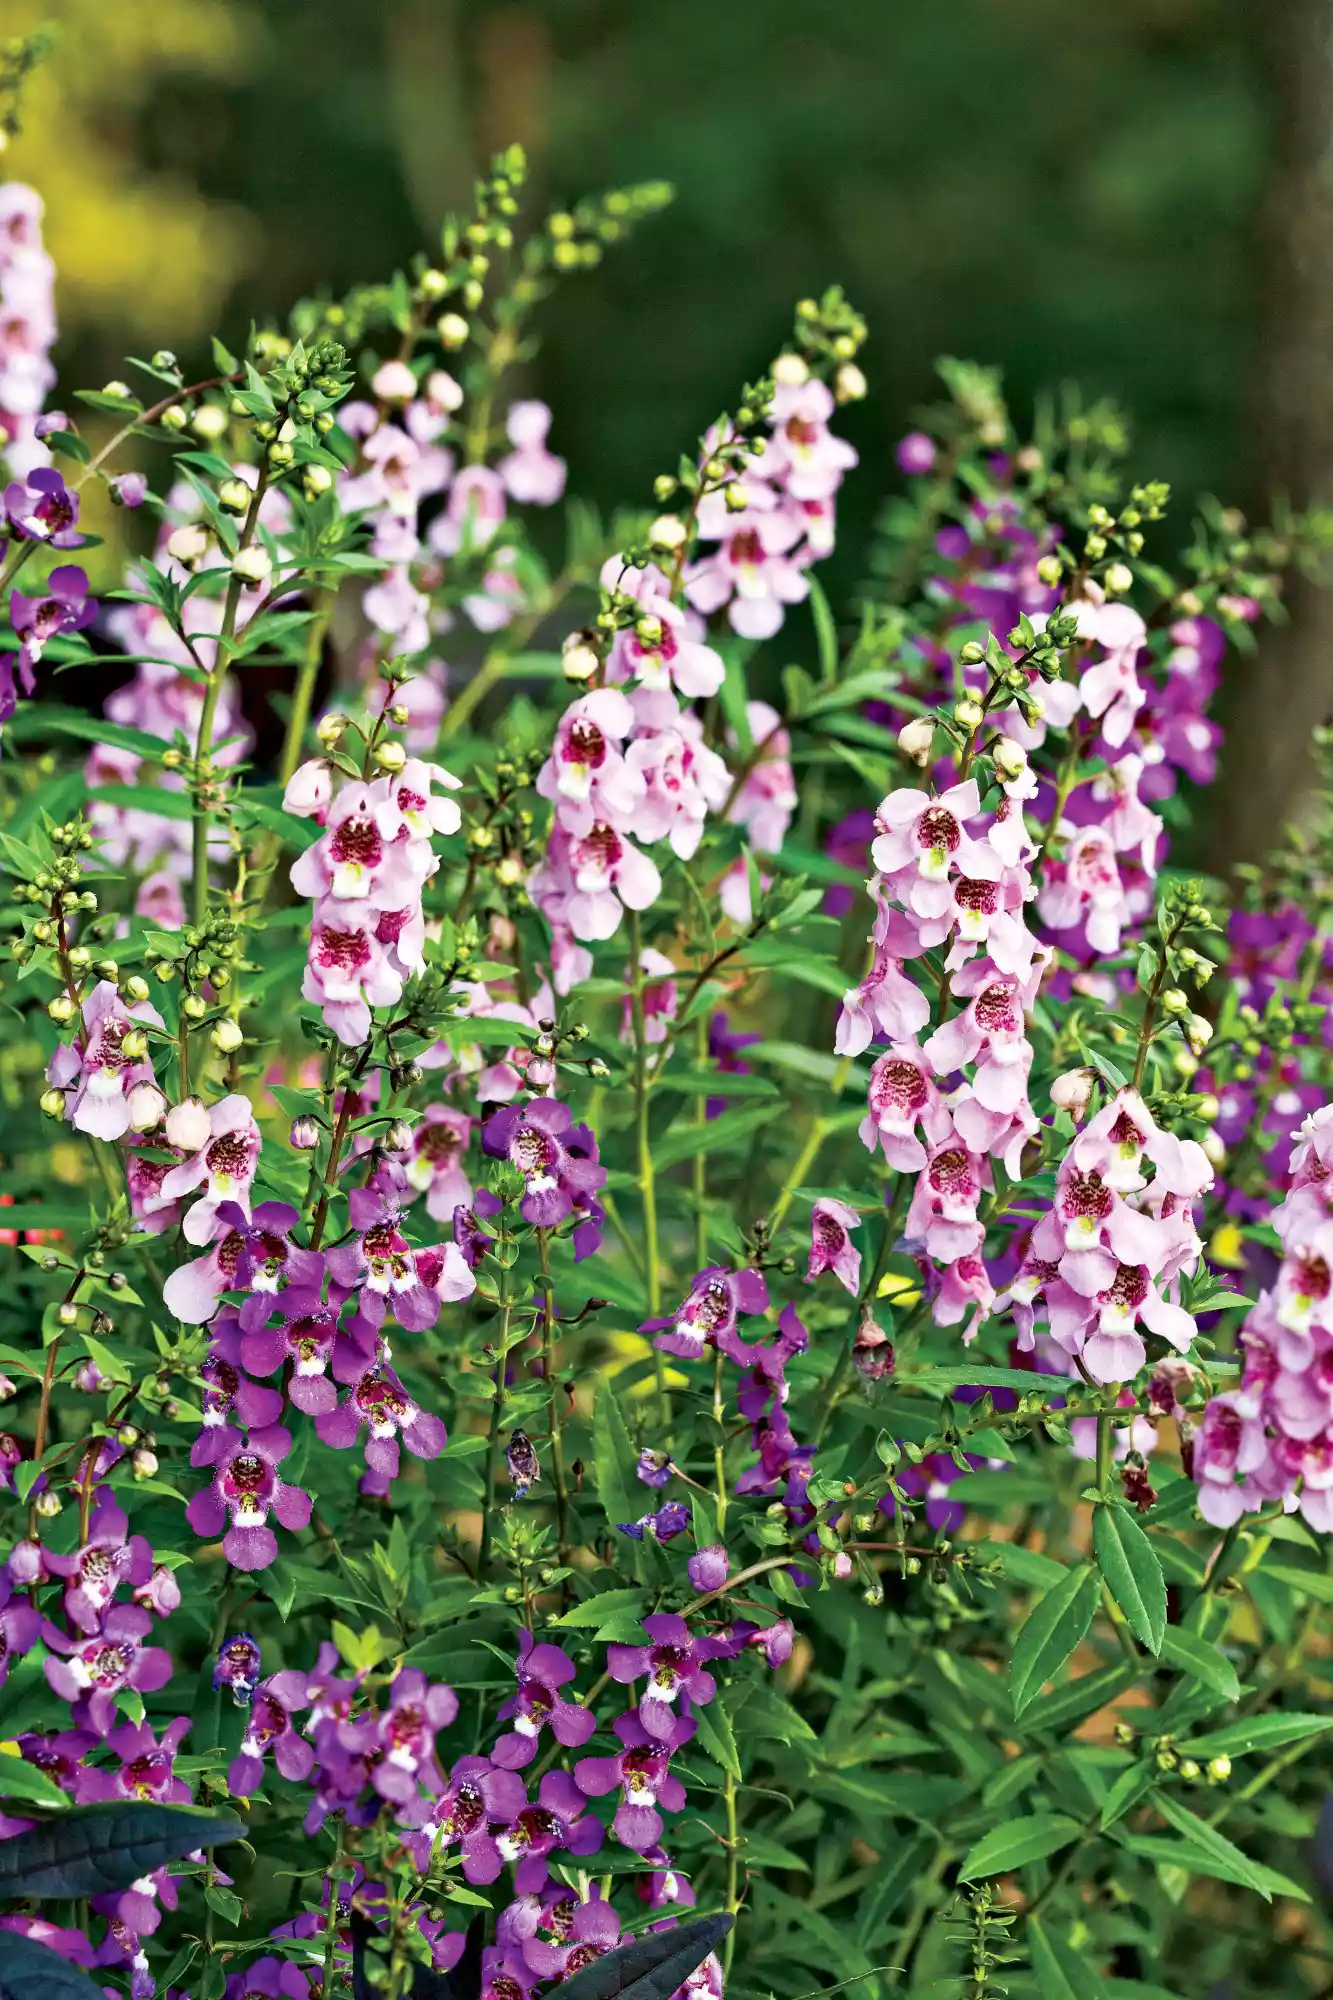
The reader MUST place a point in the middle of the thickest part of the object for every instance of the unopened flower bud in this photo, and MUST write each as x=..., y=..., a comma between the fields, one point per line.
x=234, y=496
x=52, y=1103
x=390, y=756
x=967, y=713
x=188, y=545
x=1049, y=570
x=394, y=382
x=189, y=1126
x=915, y=739
x=398, y=1138
x=972, y=654
x=143, y=1463
x=791, y=371
x=1175, y=1002
x=194, y=1007
x=1072, y=1092
x=134, y=1044
x=1011, y=759
x=316, y=480
x=304, y=1134
x=1198, y=1033
x=331, y=729
x=253, y=565
x=174, y=418
x=68, y=1313
x=452, y=329
x=146, y=1105
x=443, y=391
x=47, y=1505
x=849, y=384
x=1214, y=1151
x=668, y=531
x=709, y=1567
x=210, y=421
x=61, y=1008
x=1118, y=577
x=226, y=1036
x=1189, y=1769
x=872, y=1350
x=579, y=660
x=842, y=1565
x=1218, y=1769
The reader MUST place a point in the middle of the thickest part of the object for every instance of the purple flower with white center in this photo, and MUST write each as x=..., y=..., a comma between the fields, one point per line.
x=251, y=1254
x=406, y=1734
x=472, y=1240
x=380, y=1401
x=478, y=1794
x=20, y=1628
x=542, y=1672
x=228, y=1394
x=145, y=1768
x=269, y=1727
x=557, y=1820
x=707, y=1318
x=642, y=1772
x=41, y=508
x=589, y=1931
x=95, y=1669
x=98, y=1075
x=557, y=1158
x=237, y=1668
x=110, y=1557
x=654, y=1468
x=708, y=1568
x=438, y=1146
x=244, y=1491
x=159, y=1592
x=831, y=1246
x=59, y=1757
x=306, y=1341
x=671, y=1519
x=380, y=1261
x=66, y=607
x=673, y=1663
x=224, y=1166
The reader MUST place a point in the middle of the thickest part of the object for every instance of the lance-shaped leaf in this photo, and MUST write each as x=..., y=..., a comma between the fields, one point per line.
x=31, y=1971
x=650, y=1967
x=1054, y=1626
x=1129, y=1564
x=93, y=1849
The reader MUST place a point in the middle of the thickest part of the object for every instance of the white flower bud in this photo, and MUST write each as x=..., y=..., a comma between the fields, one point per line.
x=1214, y=1151
x=390, y=756
x=394, y=382
x=1118, y=577
x=1011, y=759
x=968, y=713
x=234, y=495
x=453, y=330
x=188, y=545
x=1198, y=1033
x=253, y=565
x=849, y=384
x=1072, y=1092
x=790, y=371
x=316, y=479
x=331, y=729
x=226, y=1036
x=443, y=391
x=188, y=1125
x=209, y=422
x=915, y=739
x=579, y=660
x=143, y=1463
x=146, y=1105
x=667, y=532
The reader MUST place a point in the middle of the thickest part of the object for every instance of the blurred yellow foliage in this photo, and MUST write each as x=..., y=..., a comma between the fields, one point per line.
x=143, y=253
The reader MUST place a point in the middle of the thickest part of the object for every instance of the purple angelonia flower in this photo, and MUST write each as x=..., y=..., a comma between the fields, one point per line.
x=673, y=1663
x=406, y=1733
x=542, y=1672
x=230, y=1398
x=20, y=1628
x=94, y=1669
x=654, y=1468
x=477, y=1796
x=671, y=1519
x=380, y=1262
x=245, y=1490
x=380, y=1402
x=41, y=508
x=583, y=1934
x=270, y=1727
x=145, y=1767
x=641, y=1771
x=110, y=1557
x=469, y=1235
x=558, y=1820
x=557, y=1158
x=273, y=1978
x=66, y=607
x=237, y=1668
x=708, y=1568
x=707, y=1317
x=304, y=1343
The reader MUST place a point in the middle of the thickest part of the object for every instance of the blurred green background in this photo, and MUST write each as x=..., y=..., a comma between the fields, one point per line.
x=1070, y=190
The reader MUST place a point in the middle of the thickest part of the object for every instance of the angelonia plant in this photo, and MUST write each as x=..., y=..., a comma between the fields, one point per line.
x=658, y=1265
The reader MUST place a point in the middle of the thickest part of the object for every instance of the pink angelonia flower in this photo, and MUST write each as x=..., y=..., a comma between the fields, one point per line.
x=1124, y=1133
x=98, y=1075
x=597, y=874
x=902, y=1095
x=587, y=765
x=943, y=1211
x=362, y=856
x=1133, y=827
x=660, y=997
x=925, y=838
x=406, y=1735
x=756, y=571
x=831, y=1246
x=110, y=1556
x=439, y=1144
x=1232, y=1461
x=248, y=1254
x=474, y=511
x=350, y=968
x=418, y=792
x=1102, y=1326
x=160, y=901
x=886, y=1002
x=1110, y=689
x=535, y=476
x=991, y=1032
x=803, y=456
x=245, y=1490
x=658, y=650
x=707, y=1316
x=767, y=798
x=1086, y=888
x=542, y=1672
x=965, y=1286
x=224, y=1166
x=310, y=790
x=397, y=608
x=683, y=779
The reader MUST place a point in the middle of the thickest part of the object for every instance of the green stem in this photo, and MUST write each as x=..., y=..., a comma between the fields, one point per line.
x=644, y=1158
x=732, y=1902
x=553, y=1396
x=493, y=1442
x=303, y=693
x=203, y=747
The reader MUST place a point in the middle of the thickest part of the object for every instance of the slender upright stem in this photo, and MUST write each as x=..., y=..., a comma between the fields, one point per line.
x=493, y=1441
x=303, y=693
x=203, y=747
x=644, y=1157
x=553, y=1395
x=732, y=1901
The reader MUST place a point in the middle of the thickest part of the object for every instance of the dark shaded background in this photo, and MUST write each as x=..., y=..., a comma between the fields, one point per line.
x=1112, y=194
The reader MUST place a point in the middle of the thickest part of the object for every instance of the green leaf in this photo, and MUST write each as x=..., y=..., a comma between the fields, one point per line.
x=1017, y=1842
x=1260, y=1732
x=714, y=1733
x=1128, y=1789
x=1194, y=1860
x=19, y=1780
x=1061, y=1972
x=1191, y=1655
x=144, y=798
x=91, y=1850
x=607, y=1605
x=1209, y=1841
x=826, y=630
x=1312, y=1581
x=729, y=1130
x=1053, y=1628
x=1131, y=1569
x=614, y=1457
